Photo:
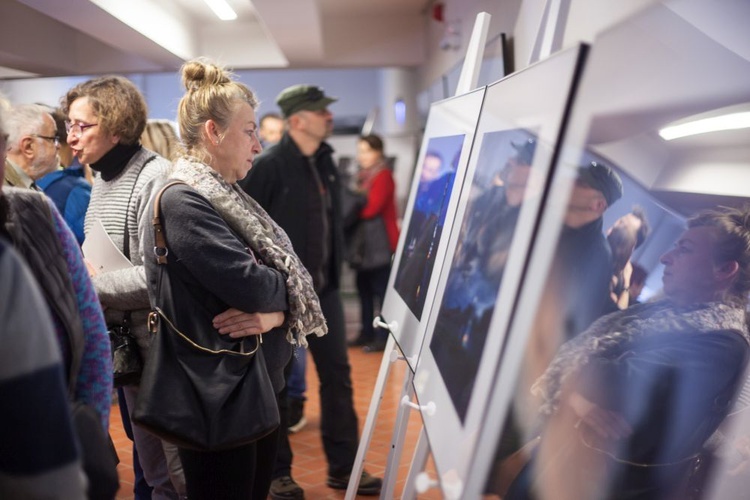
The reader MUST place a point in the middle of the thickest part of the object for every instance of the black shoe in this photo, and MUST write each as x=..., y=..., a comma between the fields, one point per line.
x=297, y=418
x=374, y=347
x=284, y=488
x=368, y=485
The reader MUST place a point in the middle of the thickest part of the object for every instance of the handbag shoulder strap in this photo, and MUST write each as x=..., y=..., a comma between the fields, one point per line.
x=160, y=242
x=126, y=231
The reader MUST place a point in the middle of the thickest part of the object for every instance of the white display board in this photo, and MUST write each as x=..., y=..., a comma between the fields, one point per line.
x=520, y=124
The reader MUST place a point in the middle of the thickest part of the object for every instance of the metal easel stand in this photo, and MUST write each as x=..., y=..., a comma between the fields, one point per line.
x=391, y=354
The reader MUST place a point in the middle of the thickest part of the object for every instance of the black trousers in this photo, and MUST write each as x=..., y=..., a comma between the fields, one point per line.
x=237, y=474
x=338, y=421
x=371, y=286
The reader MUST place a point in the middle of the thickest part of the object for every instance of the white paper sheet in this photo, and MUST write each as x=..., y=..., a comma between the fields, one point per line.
x=101, y=252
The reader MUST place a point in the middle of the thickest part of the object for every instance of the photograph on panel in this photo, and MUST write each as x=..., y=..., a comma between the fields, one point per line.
x=437, y=174
x=468, y=302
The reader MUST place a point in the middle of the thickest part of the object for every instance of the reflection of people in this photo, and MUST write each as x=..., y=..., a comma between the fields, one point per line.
x=582, y=263
x=637, y=282
x=215, y=236
x=271, y=129
x=376, y=181
x=628, y=404
x=106, y=117
x=626, y=234
x=476, y=273
x=576, y=291
x=297, y=182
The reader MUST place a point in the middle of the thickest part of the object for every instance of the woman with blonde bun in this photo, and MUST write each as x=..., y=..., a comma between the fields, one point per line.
x=228, y=260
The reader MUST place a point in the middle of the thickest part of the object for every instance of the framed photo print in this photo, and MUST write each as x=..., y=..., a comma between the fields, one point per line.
x=429, y=216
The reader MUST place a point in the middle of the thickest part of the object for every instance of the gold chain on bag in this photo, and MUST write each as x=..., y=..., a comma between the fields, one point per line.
x=153, y=319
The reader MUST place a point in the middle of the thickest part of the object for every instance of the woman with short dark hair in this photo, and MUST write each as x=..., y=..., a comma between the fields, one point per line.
x=106, y=117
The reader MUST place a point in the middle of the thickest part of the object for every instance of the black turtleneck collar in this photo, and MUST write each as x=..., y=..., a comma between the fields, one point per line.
x=114, y=161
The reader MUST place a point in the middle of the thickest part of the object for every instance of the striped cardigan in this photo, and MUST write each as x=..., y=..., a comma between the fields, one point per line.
x=112, y=204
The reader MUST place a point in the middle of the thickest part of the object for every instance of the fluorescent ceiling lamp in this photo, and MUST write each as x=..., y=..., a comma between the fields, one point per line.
x=716, y=124
x=222, y=9
x=154, y=22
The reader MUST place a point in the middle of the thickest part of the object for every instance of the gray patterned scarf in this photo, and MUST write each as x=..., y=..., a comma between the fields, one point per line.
x=248, y=219
x=610, y=333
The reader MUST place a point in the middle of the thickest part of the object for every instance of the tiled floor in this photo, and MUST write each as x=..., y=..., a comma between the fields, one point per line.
x=309, y=468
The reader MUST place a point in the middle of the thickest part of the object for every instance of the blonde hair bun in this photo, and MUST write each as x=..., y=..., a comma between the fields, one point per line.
x=201, y=73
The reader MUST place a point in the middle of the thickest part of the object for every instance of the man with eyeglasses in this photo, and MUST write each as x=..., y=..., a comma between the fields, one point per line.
x=33, y=147
x=297, y=183
x=67, y=186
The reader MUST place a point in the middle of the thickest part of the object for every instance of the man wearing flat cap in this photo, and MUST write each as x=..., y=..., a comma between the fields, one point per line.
x=577, y=288
x=298, y=184
x=576, y=291
x=583, y=261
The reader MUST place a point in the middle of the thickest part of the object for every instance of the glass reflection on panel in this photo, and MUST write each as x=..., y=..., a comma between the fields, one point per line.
x=649, y=400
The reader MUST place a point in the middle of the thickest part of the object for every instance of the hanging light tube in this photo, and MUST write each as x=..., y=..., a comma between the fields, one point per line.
x=222, y=9
x=716, y=124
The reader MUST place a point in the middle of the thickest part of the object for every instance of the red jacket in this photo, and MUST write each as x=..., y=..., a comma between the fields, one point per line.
x=381, y=200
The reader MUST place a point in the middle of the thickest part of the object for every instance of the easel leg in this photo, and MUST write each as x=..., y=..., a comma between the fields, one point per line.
x=369, y=428
x=418, y=463
x=397, y=441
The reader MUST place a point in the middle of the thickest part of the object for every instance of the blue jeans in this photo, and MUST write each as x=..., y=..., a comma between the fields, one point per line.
x=296, y=386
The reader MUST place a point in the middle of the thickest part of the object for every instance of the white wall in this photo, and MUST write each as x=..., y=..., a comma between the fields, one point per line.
x=357, y=89
x=464, y=13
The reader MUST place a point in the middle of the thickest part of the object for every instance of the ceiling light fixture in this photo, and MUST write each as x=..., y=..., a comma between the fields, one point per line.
x=222, y=9
x=716, y=124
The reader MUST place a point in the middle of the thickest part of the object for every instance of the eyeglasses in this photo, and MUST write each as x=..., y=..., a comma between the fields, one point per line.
x=77, y=129
x=53, y=138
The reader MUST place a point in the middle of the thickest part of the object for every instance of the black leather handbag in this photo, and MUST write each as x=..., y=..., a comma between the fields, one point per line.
x=369, y=247
x=199, y=389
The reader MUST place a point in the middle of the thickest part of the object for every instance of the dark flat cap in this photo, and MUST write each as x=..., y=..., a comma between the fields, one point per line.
x=602, y=178
x=302, y=97
x=524, y=151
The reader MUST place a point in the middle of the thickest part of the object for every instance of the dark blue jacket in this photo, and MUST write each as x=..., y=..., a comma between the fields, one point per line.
x=71, y=194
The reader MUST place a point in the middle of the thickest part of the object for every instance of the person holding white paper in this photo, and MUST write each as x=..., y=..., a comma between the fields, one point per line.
x=106, y=117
